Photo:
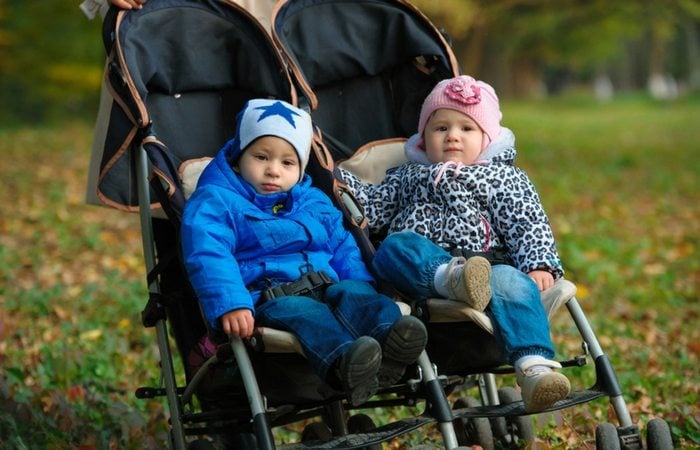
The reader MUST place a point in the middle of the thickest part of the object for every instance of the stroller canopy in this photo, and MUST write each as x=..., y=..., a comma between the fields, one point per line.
x=181, y=70
x=364, y=65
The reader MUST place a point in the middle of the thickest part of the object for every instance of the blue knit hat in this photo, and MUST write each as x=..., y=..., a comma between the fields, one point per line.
x=264, y=117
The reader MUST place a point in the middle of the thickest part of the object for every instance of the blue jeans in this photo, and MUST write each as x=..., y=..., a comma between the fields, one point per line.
x=325, y=330
x=408, y=261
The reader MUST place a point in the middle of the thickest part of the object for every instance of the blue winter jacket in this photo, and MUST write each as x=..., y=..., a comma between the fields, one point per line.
x=234, y=244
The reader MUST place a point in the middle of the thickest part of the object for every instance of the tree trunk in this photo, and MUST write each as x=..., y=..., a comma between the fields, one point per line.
x=692, y=36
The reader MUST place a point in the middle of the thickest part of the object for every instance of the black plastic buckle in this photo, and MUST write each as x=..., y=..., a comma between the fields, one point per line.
x=310, y=284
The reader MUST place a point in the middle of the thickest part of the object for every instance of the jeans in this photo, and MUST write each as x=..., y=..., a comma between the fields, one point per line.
x=408, y=261
x=325, y=330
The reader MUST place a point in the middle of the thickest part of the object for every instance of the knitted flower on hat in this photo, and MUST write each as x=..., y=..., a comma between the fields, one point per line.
x=472, y=97
x=458, y=89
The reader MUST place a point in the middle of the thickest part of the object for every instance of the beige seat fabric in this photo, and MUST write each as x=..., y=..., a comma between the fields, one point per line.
x=277, y=341
x=442, y=310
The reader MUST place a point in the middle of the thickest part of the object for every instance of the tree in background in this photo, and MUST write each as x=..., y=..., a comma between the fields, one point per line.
x=5, y=41
x=529, y=48
x=51, y=57
x=51, y=61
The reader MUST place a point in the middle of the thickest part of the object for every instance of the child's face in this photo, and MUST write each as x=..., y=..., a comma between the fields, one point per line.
x=270, y=164
x=452, y=136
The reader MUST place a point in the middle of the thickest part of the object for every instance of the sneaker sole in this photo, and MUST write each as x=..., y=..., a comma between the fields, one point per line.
x=477, y=282
x=404, y=344
x=550, y=391
x=359, y=370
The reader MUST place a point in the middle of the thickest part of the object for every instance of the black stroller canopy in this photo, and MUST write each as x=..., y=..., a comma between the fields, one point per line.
x=181, y=70
x=336, y=40
x=178, y=46
x=364, y=65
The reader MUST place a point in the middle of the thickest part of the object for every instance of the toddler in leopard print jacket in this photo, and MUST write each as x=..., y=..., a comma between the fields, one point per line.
x=459, y=193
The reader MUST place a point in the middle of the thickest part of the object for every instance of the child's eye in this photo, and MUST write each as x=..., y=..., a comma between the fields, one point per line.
x=290, y=162
x=260, y=157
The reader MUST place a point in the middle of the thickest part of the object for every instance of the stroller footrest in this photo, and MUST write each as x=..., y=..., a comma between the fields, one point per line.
x=518, y=408
x=366, y=438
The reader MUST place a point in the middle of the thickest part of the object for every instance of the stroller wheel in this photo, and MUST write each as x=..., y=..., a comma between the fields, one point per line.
x=473, y=430
x=316, y=431
x=358, y=423
x=658, y=435
x=606, y=437
x=510, y=431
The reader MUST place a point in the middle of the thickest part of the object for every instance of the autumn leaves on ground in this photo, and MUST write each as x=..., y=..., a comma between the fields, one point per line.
x=620, y=184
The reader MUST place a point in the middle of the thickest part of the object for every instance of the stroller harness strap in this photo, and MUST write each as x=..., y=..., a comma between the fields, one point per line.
x=311, y=284
x=496, y=255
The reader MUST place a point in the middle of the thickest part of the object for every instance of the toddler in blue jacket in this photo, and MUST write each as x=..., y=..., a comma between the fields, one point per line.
x=254, y=225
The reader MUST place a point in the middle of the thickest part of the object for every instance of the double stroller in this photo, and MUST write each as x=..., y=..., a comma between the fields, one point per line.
x=179, y=71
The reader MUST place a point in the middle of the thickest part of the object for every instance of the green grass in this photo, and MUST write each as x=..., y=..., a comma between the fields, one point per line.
x=619, y=181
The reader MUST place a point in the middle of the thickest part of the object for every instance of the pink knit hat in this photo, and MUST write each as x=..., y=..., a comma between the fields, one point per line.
x=463, y=93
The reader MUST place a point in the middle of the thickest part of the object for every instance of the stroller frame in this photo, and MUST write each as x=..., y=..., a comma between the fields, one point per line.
x=428, y=385
x=291, y=25
x=134, y=146
x=440, y=411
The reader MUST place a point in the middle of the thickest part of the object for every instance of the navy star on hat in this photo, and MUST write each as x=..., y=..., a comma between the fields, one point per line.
x=277, y=109
x=272, y=117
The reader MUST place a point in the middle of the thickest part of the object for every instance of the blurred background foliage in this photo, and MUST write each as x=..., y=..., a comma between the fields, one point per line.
x=72, y=348
x=51, y=56
x=544, y=47
x=51, y=60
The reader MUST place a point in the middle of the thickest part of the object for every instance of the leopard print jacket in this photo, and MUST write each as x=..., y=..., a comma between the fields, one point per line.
x=475, y=207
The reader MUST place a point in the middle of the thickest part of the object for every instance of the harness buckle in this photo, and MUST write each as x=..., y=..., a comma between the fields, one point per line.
x=311, y=284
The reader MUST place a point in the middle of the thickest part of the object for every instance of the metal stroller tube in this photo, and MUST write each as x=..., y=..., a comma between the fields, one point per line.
x=261, y=424
x=596, y=351
x=442, y=409
x=141, y=162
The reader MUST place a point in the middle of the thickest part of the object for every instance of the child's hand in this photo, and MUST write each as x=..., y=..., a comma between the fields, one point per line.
x=238, y=322
x=128, y=4
x=542, y=278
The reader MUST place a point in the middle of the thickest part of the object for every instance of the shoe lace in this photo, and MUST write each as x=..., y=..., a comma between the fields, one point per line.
x=536, y=370
x=455, y=265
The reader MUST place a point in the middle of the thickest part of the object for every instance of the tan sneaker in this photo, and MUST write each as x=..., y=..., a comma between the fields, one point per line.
x=469, y=281
x=541, y=387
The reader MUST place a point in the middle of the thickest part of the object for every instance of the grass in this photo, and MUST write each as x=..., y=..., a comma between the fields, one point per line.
x=619, y=181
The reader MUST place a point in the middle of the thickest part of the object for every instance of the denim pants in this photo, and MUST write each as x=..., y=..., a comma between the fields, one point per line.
x=325, y=330
x=408, y=261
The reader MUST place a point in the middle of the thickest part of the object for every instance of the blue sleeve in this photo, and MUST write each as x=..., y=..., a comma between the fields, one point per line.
x=208, y=242
x=346, y=257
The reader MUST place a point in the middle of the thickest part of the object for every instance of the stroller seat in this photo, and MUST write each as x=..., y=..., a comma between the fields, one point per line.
x=279, y=341
x=273, y=340
x=443, y=311
x=369, y=164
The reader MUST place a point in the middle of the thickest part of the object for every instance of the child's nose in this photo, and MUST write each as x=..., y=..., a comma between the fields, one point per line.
x=273, y=169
